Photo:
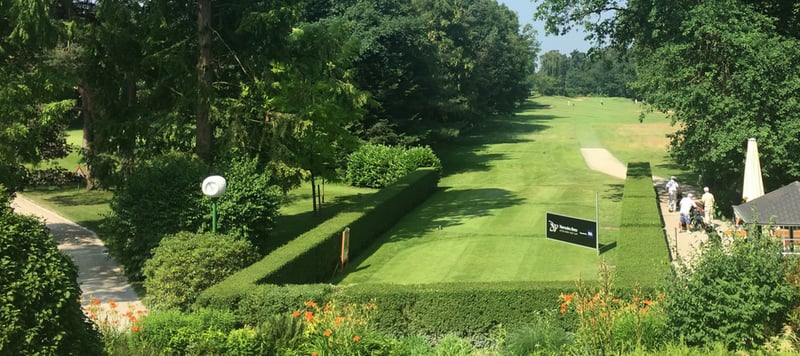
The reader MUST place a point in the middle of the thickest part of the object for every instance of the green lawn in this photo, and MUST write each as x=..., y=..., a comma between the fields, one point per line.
x=497, y=186
x=486, y=223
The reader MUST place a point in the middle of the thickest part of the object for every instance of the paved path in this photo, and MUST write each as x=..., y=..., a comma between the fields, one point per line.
x=684, y=246
x=98, y=274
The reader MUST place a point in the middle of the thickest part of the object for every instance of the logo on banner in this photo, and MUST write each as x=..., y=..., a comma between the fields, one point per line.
x=572, y=230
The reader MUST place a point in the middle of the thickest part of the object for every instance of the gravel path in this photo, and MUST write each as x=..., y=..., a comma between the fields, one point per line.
x=99, y=276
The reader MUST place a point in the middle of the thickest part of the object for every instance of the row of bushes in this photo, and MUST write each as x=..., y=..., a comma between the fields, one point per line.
x=644, y=253
x=377, y=166
x=470, y=309
x=52, y=177
x=313, y=256
x=163, y=197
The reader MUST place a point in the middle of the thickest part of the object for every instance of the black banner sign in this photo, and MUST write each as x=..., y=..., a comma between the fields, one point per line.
x=572, y=230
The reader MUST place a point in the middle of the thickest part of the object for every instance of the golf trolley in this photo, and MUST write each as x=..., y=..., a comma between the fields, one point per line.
x=698, y=221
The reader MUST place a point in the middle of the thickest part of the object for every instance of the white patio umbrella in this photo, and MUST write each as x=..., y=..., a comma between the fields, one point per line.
x=753, y=185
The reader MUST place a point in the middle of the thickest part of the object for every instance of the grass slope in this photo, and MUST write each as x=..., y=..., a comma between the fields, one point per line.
x=499, y=182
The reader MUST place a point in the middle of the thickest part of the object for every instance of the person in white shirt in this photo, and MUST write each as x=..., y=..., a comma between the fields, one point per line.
x=686, y=205
x=672, y=191
x=708, y=204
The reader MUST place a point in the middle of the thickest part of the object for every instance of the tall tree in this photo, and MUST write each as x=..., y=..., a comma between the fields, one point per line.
x=204, y=77
x=721, y=68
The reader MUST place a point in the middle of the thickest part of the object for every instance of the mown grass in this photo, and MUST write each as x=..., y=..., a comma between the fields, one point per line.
x=487, y=221
x=86, y=208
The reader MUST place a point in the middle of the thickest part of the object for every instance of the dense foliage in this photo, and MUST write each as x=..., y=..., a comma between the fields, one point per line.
x=185, y=264
x=161, y=197
x=250, y=203
x=736, y=295
x=40, y=312
x=377, y=166
x=606, y=72
x=722, y=70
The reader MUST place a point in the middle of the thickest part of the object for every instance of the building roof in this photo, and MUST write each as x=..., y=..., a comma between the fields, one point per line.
x=778, y=207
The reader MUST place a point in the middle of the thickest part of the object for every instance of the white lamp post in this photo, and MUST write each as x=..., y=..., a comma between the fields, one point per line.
x=214, y=187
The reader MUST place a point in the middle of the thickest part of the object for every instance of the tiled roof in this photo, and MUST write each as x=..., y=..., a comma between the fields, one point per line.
x=779, y=207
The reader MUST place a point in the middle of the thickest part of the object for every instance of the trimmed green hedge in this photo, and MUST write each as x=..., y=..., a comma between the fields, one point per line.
x=467, y=309
x=644, y=254
x=313, y=256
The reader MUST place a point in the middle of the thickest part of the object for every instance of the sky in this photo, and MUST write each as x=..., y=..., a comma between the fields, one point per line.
x=564, y=44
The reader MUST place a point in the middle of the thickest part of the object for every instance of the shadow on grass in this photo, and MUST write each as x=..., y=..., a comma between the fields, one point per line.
x=78, y=199
x=607, y=247
x=613, y=192
x=288, y=227
x=452, y=207
x=466, y=153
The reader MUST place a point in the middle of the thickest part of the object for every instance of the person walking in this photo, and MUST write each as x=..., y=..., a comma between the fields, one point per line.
x=672, y=191
x=685, y=219
x=708, y=204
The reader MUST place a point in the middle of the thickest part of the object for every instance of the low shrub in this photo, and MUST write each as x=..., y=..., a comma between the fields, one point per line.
x=185, y=264
x=40, y=311
x=250, y=204
x=171, y=332
x=541, y=336
x=161, y=197
x=377, y=166
x=737, y=295
x=57, y=177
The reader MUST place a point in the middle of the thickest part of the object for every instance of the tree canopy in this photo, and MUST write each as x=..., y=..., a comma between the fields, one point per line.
x=722, y=70
x=256, y=78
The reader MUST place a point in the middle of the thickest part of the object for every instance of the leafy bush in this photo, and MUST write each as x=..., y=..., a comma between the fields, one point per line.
x=52, y=177
x=453, y=345
x=737, y=295
x=377, y=166
x=185, y=264
x=161, y=197
x=539, y=337
x=12, y=177
x=170, y=332
x=250, y=204
x=39, y=294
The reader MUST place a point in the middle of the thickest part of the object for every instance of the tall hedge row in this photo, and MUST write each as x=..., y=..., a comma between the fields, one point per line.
x=644, y=253
x=313, y=256
x=467, y=309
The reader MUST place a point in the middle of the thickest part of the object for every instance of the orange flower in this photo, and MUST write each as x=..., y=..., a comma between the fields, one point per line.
x=328, y=332
x=337, y=323
x=96, y=301
x=296, y=313
x=327, y=307
x=311, y=303
x=314, y=353
x=563, y=308
x=112, y=303
x=356, y=338
x=372, y=305
x=135, y=328
x=309, y=316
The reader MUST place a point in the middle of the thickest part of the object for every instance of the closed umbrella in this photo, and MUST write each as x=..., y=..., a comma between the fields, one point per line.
x=753, y=185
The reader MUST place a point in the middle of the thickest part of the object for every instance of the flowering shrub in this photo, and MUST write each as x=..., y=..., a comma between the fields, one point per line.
x=114, y=324
x=607, y=322
x=335, y=330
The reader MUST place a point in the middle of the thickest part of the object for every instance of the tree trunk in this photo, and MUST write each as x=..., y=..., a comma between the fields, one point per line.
x=313, y=194
x=204, y=77
x=89, y=118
